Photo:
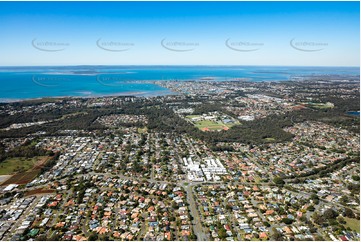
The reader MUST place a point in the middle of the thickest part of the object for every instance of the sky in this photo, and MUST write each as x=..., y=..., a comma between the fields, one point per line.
x=180, y=33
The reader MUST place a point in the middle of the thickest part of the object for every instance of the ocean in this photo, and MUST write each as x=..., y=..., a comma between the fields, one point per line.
x=19, y=83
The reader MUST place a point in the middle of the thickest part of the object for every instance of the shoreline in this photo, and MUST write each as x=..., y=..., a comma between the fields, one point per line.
x=165, y=92
x=39, y=94
x=119, y=94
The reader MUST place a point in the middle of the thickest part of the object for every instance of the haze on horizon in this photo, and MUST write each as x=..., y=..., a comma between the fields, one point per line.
x=180, y=33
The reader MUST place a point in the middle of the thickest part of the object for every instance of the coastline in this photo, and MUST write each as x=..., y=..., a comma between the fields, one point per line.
x=20, y=83
x=118, y=94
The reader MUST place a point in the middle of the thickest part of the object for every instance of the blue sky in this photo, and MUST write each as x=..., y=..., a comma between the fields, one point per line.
x=193, y=33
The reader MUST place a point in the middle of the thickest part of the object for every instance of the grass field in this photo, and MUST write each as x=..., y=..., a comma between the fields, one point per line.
x=23, y=170
x=210, y=125
x=269, y=139
x=354, y=224
x=13, y=165
x=72, y=114
x=321, y=105
x=142, y=130
x=193, y=116
x=257, y=179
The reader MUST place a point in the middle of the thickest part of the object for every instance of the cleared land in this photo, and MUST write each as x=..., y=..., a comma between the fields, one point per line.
x=39, y=191
x=142, y=130
x=17, y=164
x=23, y=176
x=4, y=178
x=354, y=224
x=269, y=139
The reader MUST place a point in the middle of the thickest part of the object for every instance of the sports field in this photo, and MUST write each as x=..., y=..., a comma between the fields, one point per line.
x=321, y=105
x=209, y=125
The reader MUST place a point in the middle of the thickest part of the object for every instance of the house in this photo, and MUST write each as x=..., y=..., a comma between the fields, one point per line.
x=269, y=212
x=263, y=235
x=79, y=238
x=343, y=238
x=53, y=204
x=116, y=234
x=168, y=236
x=287, y=230
x=60, y=225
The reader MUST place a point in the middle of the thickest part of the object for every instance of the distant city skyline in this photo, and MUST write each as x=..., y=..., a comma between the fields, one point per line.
x=180, y=33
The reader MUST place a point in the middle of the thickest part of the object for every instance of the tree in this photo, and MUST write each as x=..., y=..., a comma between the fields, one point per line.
x=276, y=235
x=287, y=221
x=356, y=178
x=278, y=181
x=348, y=213
x=314, y=196
x=42, y=237
x=330, y=214
x=193, y=237
x=341, y=220
x=354, y=188
x=222, y=233
x=311, y=208
x=93, y=237
x=228, y=207
x=344, y=199
x=318, y=219
x=55, y=237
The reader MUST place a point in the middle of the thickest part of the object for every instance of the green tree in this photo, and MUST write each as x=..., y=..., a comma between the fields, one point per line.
x=222, y=233
x=276, y=235
x=93, y=237
x=356, y=178
x=287, y=221
x=330, y=214
x=311, y=208
x=348, y=213
x=278, y=181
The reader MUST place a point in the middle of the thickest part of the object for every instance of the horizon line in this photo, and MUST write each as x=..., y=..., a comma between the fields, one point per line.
x=145, y=65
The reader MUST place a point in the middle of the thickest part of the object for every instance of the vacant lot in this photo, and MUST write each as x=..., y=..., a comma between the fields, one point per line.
x=39, y=191
x=4, y=178
x=142, y=130
x=17, y=164
x=354, y=224
x=22, y=178
x=24, y=170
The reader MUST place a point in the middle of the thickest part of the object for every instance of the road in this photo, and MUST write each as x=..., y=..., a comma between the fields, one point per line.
x=197, y=225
